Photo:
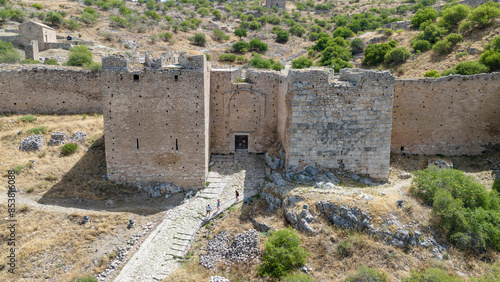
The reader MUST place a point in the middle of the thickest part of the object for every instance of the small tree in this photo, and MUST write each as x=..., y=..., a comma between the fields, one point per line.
x=282, y=36
x=200, y=39
x=357, y=46
x=219, y=35
x=240, y=32
x=257, y=45
x=241, y=47
x=397, y=56
x=8, y=54
x=422, y=16
x=375, y=53
x=282, y=254
x=421, y=45
x=217, y=14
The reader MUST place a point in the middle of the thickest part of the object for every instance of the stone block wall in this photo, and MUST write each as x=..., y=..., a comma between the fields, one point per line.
x=452, y=115
x=31, y=50
x=340, y=124
x=249, y=108
x=281, y=4
x=156, y=125
x=49, y=90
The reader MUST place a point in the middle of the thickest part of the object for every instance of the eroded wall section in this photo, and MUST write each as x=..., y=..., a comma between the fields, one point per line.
x=156, y=124
x=453, y=115
x=243, y=109
x=49, y=90
x=343, y=123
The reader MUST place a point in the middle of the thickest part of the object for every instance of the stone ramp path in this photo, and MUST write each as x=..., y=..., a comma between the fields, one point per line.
x=162, y=251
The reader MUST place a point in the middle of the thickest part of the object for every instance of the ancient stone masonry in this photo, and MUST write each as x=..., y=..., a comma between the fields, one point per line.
x=281, y=4
x=344, y=123
x=49, y=90
x=452, y=115
x=247, y=108
x=156, y=123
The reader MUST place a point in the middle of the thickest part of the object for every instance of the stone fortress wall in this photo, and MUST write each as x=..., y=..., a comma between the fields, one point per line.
x=156, y=123
x=341, y=123
x=452, y=115
x=344, y=122
x=49, y=90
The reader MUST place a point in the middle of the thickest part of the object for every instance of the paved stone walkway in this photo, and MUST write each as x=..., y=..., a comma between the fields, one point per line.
x=161, y=252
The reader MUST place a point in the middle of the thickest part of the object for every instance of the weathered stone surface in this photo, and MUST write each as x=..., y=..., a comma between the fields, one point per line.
x=79, y=136
x=291, y=217
x=278, y=179
x=440, y=164
x=57, y=138
x=260, y=226
x=32, y=143
x=304, y=226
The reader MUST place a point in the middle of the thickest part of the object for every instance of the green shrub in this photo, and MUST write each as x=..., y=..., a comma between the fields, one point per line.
x=80, y=56
x=69, y=149
x=297, y=277
x=257, y=45
x=397, y=56
x=496, y=185
x=357, y=46
x=241, y=59
x=227, y=57
x=167, y=36
x=442, y=47
x=432, y=73
x=484, y=15
x=282, y=36
x=421, y=45
x=203, y=12
x=344, y=249
x=28, y=118
x=432, y=33
x=302, y=63
x=118, y=21
x=241, y=47
x=8, y=54
x=297, y=30
x=208, y=56
x=217, y=14
x=94, y=66
x=199, y=39
x=53, y=18
x=37, y=6
x=464, y=210
x=343, y=32
x=87, y=278
x=431, y=275
x=364, y=273
x=375, y=53
x=30, y=61
x=254, y=25
x=240, y=32
x=494, y=44
x=388, y=32
x=283, y=253
x=219, y=35
x=491, y=59
x=332, y=53
x=260, y=63
x=454, y=38
x=467, y=68
x=71, y=24
x=38, y=130
x=453, y=15
x=422, y=16
x=493, y=274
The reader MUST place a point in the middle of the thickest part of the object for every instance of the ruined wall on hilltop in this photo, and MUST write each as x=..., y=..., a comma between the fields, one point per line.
x=49, y=90
x=156, y=123
x=343, y=124
x=249, y=108
x=452, y=115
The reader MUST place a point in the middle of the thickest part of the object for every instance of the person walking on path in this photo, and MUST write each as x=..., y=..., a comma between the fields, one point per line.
x=218, y=204
x=209, y=208
x=237, y=194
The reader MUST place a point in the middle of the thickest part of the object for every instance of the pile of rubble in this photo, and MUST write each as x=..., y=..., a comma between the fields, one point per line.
x=244, y=248
x=32, y=143
x=57, y=138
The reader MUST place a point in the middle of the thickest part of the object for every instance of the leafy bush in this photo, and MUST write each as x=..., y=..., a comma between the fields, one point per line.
x=118, y=21
x=199, y=39
x=343, y=32
x=454, y=38
x=38, y=130
x=257, y=45
x=94, y=66
x=467, y=68
x=453, y=15
x=422, y=16
x=432, y=73
x=219, y=35
x=344, y=249
x=421, y=45
x=217, y=14
x=302, y=63
x=484, y=15
x=493, y=274
x=37, y=6
x=28, y=118
x=442, y=47
x=53, y=18
x=431, y=275
x=240, y=32
x=241, y=47
x=8, y=54
x=364, y=273
x=465, y=211
x=167, y=36
x=332, y=53
x=491, y=59
x=282, y=36
x=227, y=57
x=88, y=278
x=241, y=59
x=282, y=254
x=357, y=46
x=80, y=56
x=388, y=32
x=30, y=61
x=496, y=185
x=432, y=33
x=203, y=12
x=375, y=53
x=69, y=149
x=397, y=56
x=297, y=30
